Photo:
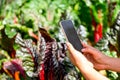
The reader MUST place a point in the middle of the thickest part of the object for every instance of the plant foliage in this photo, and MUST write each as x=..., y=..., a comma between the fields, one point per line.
x=32, y=42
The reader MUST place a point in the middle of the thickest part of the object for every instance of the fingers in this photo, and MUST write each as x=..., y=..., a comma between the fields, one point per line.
x=72, y=53
x=86, y=49
x=89, y=49
x=70, y=47
x=85, y=45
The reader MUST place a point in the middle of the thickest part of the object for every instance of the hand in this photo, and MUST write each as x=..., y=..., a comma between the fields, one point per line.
x=98, y=59
x=84, y=65
x=77, y=58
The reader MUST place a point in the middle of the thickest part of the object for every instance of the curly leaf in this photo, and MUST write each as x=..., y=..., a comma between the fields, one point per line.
x=12, y=66
x=27, y=54
x=45, y=34
x=55, y=65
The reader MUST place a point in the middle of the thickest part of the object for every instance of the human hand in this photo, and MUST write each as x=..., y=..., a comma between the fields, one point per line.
x=84, y=65
x=77, y=58
x=98, y=59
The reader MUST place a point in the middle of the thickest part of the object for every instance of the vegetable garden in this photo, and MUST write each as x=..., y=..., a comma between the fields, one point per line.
x=32, y=45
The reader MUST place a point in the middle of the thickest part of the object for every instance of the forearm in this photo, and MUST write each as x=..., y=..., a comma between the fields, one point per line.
x=113, y=64
x=91, y=74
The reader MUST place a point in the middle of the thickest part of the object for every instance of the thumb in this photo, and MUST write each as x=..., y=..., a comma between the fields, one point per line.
x=70, y=47
x=90, y=50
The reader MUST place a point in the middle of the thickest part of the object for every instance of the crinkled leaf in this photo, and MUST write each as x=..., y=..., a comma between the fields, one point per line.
x=49, y=58
x=12, y=66
x=26, y=53
x=56, y=66
x=45, y=34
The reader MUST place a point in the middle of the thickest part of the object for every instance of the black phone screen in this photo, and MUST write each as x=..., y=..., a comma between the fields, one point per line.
x=71, y=34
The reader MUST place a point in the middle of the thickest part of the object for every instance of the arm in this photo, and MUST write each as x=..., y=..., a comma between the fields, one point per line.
x=113, y=64
x=84, y=65
x=92, y=74
x=101, y=61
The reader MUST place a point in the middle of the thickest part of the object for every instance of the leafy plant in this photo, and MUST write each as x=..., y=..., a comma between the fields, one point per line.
x=95, y=21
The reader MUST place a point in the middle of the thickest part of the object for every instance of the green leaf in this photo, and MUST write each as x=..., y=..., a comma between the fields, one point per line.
x=10, y=32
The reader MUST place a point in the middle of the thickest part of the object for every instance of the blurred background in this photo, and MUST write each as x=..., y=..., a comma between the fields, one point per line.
x=97, y=23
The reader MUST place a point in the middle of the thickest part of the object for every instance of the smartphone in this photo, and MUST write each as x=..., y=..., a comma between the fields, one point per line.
x=71, y=34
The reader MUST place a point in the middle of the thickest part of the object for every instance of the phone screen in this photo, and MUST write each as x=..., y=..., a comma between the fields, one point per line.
x=71, y=34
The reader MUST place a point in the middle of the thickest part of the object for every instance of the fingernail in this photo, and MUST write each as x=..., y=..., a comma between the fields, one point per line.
x=67, y=43
x=83, y=50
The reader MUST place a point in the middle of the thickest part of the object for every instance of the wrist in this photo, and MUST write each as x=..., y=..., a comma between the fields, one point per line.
x=84, y=68
x=110, y=63
x=107, y=63
x=91, y=74
x=113, y=64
